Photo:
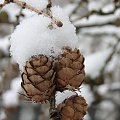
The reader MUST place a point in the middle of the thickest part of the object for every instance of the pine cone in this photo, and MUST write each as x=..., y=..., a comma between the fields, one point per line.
x=70, y=69
x=38, y=78
x=73, y=108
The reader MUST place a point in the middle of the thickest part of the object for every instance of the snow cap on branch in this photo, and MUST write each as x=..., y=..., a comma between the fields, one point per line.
x=33, y=37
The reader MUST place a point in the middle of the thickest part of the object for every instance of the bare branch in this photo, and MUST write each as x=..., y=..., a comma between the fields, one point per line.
x=100, y=12
x=25, y=5
x=116, y=23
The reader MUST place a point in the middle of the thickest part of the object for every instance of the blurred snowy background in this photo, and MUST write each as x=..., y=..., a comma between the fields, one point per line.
x=98, y=28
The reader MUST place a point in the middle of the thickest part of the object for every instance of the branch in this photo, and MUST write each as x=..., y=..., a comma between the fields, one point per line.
x=100, y=79
x=100, y=12
x=2, y=5
x=110, y=56
x=116, y=23
x=52, y=106
x=25, y=5
x=78, y=6
x=49, y=7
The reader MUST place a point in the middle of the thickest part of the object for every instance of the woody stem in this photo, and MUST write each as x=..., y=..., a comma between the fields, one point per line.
x=52, y=106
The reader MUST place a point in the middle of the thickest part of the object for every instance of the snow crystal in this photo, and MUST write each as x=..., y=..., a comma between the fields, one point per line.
x=60, y=97
x=7, y=101
x=95, y=62
x=39, y=4
x=34, y=37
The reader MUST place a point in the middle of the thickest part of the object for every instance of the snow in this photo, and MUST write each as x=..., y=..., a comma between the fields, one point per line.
x=95, y=62
x=106, y=110
x=1, y=1
x=10, y=98
x=12, y=10
x=16, y=84
x=13, y=93
x=39, y=4
x=69, y=8
x=2, y=115
x=60, y=97
x=37, y=38
x=103, y=89
x=110, y=30
x=84, y=90
x=115, y=85
x=98, y=4
x=106, y=88
x=4, y=44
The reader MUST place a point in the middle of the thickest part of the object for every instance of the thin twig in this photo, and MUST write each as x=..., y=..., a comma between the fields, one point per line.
x=52, y=106
x=25, y=5
x=49, y=7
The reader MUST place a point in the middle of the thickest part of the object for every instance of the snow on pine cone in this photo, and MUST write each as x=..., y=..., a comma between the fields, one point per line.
x=73, y=108
x=70, y=69
x=38, y=78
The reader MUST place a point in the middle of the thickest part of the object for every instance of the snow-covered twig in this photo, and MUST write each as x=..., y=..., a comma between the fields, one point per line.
x=25, y=5
x=100, y=12
x=114, y=23
x=111, y=55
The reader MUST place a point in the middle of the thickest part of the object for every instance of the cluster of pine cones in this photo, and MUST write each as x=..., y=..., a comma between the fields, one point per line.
x=42, y=77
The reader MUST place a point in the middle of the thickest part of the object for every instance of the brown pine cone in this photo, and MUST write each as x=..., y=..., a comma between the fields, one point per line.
x=70, y=69
x=38, y=78
x=73, y=108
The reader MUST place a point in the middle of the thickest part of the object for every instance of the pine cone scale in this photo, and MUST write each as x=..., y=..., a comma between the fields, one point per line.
x=31, y=90
x=77, y=80
x=38, y=78
x=72, y=110
x=70, y=69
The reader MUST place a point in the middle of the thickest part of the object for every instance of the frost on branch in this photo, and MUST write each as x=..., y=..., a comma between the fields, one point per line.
x=35, y=36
